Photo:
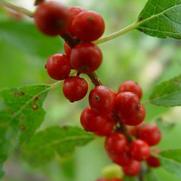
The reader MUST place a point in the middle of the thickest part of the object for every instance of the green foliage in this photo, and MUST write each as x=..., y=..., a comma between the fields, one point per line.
x=171, y=161
x=151, y=176
x=167, y=93
x=161, y=18
x=54, y=140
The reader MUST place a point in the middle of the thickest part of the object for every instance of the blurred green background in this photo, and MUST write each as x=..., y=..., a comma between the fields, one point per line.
x=136, y=56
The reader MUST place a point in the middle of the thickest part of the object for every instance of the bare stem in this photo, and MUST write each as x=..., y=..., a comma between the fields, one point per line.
x=94, y=78
x=16, y=8
x=118, y=33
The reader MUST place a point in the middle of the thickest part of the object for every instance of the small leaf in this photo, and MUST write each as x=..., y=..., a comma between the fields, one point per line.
x=167, y=93
x=151, y=176
x=171, y=161
x=21, y=113
x=54, y=140
x=161, y=18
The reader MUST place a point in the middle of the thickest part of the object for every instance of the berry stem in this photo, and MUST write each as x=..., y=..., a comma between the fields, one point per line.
x=118, y=33
x=94, y=78
x=16, y=8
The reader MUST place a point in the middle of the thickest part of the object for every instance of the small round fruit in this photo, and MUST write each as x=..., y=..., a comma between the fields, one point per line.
x=137, y=118
x=58, y=66
x=139, y=150
x=51, y=18
x=116, y=143
x=67, y=49
x=88, y=26
x=127, y=104
x=131, y=86
x=86, y=57
x=153, y=162
x=75, y=88
x=133, y=169
x=93, y=122
x=101, y=99
x=150, y=133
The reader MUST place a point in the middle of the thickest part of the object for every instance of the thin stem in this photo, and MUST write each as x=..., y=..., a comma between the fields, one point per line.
x=118, y=33
x=16, y=8
x=94, y=78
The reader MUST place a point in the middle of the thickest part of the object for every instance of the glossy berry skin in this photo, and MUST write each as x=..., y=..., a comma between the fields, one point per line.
x=58, y=66
x=137, y=118
x=88, y=26
x=51, y=18
x=127, y=104
x=133, y=169
x=101, y=99
x=150, y=133
x=93, y=122
x=67, y=50
x=116, y=143
x=131, y=86
x=153, y=162
x=139, y=150
x=75, y=88
x=86, y=57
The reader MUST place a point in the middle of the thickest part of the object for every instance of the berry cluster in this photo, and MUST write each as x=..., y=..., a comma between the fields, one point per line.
x=79, y=28
x=119, y=117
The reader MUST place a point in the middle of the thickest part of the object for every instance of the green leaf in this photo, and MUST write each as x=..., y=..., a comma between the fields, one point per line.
x=151, y=176
x=167, y=93
x=171, y=161
x=21, y=113
x=54, y=140
x=27, y=38
x=161, y=18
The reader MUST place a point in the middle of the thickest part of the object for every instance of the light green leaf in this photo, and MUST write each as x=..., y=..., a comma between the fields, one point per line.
x=167, y=93
x=151, y=176
x=171, y=161
x=161, y=18
x=54, y=140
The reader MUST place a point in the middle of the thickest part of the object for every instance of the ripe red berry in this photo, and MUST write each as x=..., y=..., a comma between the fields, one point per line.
x=139, y=150
x=51, y=18
x=67, y=49
x=93, y=122
x=131, y=86
x=150, y=133
x=75, y=88
x=153, y=162
x=86, y=57
x=101, y=99
x=116, y=143
x=88, y=26
x=58, y=66
x=133, y=169
x=137, y=118
x=127, y=104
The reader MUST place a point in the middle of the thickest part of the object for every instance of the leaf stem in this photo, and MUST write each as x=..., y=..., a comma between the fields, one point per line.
x=16, y=8
x=118, y=33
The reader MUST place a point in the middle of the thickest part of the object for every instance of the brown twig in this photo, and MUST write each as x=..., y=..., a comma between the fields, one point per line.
x=94, y=78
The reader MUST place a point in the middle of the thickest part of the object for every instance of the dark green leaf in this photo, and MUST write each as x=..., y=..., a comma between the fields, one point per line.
x=26, y=37
x=161, y=18
x=171, y=161
x=55, y=140
x=167, y=93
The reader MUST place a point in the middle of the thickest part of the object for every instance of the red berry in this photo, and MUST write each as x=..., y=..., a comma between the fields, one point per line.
x=101, y=99
x=127, y=104
x=58, y=66
x=75, y=88
x=67, y=49
x=131, y=86
x=150, y=133
x=116, y=143
x=51, y=18
x=153, y=162
x=88, y=26
x=137, y=118
x=93, y=122
x=133, y=169
x=139, y=150
x=86, y=57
